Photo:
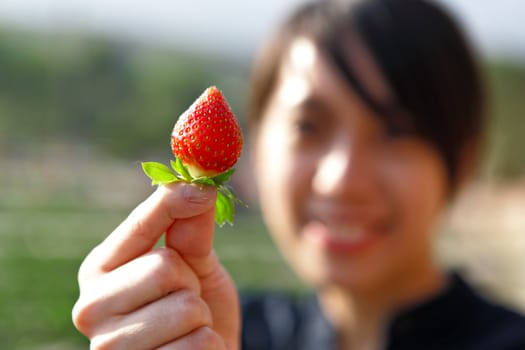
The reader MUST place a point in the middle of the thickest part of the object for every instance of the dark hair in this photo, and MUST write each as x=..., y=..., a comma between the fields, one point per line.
x=421, y=53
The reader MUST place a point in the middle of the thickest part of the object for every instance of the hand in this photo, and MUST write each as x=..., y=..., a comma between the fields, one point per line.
x=176, y=297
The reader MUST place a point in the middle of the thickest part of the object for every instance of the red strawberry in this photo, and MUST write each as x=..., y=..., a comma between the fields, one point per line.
x=206, y=142
x=207, y=137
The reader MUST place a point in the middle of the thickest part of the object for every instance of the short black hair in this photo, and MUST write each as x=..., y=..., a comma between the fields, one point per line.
x=421, y=52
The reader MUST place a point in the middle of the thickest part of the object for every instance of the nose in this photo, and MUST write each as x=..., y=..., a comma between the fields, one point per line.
x=345, y=170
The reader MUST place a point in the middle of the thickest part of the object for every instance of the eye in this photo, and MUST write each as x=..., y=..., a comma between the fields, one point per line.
x=396, y=132
x=306, y=126
x=311, y=121
x=399, y=126
x=309, y=132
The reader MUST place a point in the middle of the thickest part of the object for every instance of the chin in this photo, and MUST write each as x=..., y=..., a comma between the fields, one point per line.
x=321, y=271
x=322, y=259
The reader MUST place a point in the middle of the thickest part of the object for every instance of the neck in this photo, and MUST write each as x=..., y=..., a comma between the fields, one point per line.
x=361, y=317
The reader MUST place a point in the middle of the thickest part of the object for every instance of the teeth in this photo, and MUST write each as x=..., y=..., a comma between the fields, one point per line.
x=350, y=233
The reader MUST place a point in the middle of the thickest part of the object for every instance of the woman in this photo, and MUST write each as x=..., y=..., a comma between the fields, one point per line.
x=371, y=116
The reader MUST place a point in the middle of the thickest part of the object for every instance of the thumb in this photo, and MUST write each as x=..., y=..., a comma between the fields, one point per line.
x=193, y=238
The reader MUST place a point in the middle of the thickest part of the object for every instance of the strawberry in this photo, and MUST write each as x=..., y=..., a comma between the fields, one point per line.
x=207, y=137
x=206, y=142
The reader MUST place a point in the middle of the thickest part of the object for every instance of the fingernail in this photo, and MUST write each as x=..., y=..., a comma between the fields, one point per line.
x=198, y=193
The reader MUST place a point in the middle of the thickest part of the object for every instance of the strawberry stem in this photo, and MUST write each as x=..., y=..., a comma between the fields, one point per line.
x=160, y=174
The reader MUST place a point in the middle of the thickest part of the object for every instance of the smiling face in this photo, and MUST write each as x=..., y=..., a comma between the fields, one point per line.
x=349, y=202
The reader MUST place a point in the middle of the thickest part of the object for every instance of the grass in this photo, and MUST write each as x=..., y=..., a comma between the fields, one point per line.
x=40, y=256
x=49, y=223
x=51, y=218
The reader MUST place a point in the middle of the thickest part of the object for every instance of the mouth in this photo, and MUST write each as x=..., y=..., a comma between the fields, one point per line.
x=342, y=237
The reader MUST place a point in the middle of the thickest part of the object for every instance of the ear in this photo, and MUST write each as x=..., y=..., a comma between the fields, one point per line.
x=468, y=163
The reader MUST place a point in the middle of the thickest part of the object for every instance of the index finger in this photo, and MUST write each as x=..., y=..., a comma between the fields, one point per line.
x=141, y=230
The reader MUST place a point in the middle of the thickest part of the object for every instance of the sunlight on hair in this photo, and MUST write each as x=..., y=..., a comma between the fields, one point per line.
x=302, y=53
x=302, y=57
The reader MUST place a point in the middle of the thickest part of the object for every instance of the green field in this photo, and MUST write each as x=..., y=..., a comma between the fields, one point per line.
x=51, y=218
x=78, y=114
x=39, y=261
x=50, y=222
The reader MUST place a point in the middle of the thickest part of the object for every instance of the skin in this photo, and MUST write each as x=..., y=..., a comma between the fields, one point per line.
x=178, y=297
x=352, y=208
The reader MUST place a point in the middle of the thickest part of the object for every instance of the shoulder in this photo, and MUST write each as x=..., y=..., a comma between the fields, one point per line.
x=460, y=318
x=274, y=321
x=261, y=313
x=485, y=324
x=497, y=326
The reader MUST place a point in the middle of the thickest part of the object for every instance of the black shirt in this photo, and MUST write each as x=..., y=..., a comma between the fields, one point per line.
x=457, y=319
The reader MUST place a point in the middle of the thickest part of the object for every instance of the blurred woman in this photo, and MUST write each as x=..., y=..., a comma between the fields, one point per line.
x=366, y=119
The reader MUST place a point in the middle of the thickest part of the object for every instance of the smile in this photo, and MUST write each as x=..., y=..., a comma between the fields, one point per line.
x=341, y=238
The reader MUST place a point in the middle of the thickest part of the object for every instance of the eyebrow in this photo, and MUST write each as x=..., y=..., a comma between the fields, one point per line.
x=343, y=67
x=340, y=62
x=391, y=112
x=314, y=104
x=391, y=115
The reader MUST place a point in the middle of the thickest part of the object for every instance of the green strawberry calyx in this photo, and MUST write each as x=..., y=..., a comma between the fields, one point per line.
x=161, y=174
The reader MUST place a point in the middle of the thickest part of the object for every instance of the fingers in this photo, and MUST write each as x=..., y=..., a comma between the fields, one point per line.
x=135, y=298
x=192, y=237
x=168, y=319
x=203, y=338
x=133, y=285
x=144, y=226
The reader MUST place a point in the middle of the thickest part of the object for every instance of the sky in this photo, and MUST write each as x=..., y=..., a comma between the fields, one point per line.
x=234, y=26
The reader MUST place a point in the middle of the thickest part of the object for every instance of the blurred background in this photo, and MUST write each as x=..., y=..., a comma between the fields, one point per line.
x=89, y=89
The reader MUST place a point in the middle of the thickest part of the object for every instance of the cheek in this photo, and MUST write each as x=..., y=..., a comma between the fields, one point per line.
x=417, y=186
x=282, y=180
x=273, y=171
x=272, y=163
